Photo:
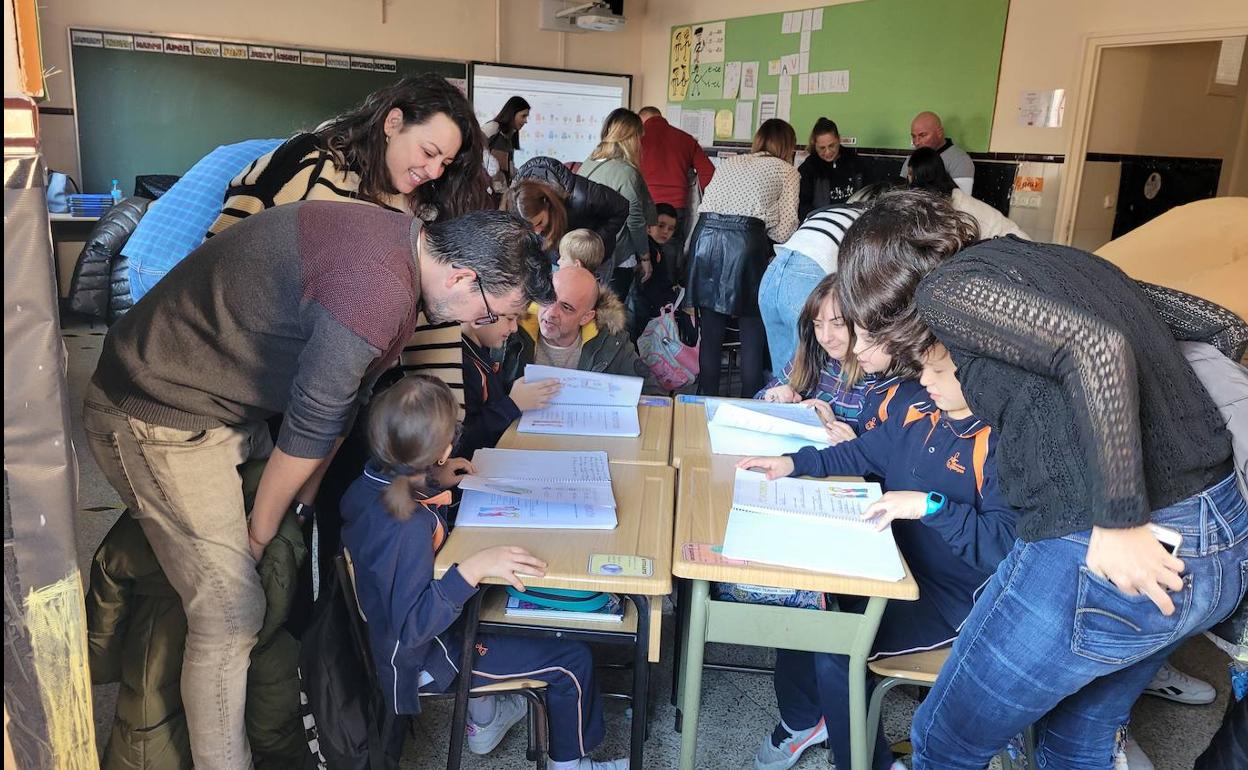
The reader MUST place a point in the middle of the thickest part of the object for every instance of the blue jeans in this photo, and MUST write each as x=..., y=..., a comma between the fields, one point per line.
x=789, y=279
x=1051, y=644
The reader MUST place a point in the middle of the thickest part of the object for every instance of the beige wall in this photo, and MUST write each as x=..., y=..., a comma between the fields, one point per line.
x=442, y=29
x=1155, y=100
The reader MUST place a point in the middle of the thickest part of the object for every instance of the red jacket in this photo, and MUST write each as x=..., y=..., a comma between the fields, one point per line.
x=667, y=154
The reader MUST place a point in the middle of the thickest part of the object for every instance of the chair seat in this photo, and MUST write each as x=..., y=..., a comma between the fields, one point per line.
x=509, y=685
x=918, y=666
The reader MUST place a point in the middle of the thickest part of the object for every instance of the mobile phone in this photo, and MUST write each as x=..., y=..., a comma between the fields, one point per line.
x=1170, y=539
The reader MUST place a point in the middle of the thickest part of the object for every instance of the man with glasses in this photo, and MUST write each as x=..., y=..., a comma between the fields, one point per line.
x=584, y=328
x=227, y=340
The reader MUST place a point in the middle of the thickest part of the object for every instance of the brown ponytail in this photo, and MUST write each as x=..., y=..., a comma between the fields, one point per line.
x=410, y=425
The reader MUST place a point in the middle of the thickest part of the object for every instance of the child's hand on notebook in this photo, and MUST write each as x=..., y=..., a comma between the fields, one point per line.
x=896, y=505
x=505, y=562
x=774, y=467
x=534, y=395
x=447, y=476
x=781, y=394
x=837, y=431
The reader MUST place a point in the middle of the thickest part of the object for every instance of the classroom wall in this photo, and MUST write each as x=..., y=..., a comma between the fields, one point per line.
x=463, y=29
x=1155, y=100
x=1043, y=47
x=11, y=85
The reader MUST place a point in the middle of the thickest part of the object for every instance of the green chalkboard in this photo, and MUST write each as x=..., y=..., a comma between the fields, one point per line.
x=141, y=112
x=903, y=56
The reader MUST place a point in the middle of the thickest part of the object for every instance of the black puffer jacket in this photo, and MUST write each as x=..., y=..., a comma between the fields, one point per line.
x=100, y=287
x=590, y=205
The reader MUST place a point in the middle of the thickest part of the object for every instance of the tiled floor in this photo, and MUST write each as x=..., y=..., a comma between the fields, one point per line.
x=738, y=709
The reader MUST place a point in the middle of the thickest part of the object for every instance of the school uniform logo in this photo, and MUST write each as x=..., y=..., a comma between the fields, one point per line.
x=482, y=650
x=954, y=464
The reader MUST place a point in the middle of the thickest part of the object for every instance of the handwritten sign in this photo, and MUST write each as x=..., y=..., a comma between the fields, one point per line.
x=678, y=77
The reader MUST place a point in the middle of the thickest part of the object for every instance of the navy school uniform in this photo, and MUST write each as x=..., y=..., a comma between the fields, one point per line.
x=888, y=397
x=951, y=552
x=413, y=626
x=488, y=409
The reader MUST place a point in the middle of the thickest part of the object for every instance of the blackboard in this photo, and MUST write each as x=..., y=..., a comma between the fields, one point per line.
x=143, y=108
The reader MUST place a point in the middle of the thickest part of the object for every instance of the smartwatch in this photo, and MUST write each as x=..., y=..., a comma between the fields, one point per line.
x=935, y=501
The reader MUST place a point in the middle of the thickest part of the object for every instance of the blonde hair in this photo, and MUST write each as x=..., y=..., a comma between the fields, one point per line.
x=776, y=138
x=584, y=246
x=621, y=138
x=410, y=425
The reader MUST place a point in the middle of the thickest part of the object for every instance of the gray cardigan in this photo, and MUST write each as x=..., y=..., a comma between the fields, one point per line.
x=624, y=178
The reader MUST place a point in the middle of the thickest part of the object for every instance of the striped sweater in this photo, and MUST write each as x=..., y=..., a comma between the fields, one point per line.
x=302, y=170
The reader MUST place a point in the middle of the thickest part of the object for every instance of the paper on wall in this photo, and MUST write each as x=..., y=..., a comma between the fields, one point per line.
x=773, y=67
x=708, y=42
x=834, y=82
x=723, y=124
x=803, y=85
x=807, y=19
x=732, y=79
x=742, y=129
x=792, y=22
x=766, y=107
x=803, y=61
x=674, y=113
x=786, y=84
x=784, y=106
x=805, y=44
x=816, y=19
x=1043, y=109
x=749, y=80
x=788, y=64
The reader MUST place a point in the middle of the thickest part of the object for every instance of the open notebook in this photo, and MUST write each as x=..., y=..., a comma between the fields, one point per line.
x=810, y=524
x=762, y=428
x=528, y=488
x=588, y=404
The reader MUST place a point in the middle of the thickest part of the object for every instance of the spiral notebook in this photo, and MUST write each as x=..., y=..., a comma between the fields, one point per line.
x=761, y=428
x=588, y=404
x=810, y=524
x=538, y=489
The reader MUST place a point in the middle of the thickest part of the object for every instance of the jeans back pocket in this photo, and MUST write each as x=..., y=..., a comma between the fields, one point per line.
x=1114, y=628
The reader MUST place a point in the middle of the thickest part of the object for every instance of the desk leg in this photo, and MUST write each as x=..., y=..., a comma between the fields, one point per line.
x=695, y=630
x=678, y=631
x=641, y=682
x=459, y=716
x=858, y=683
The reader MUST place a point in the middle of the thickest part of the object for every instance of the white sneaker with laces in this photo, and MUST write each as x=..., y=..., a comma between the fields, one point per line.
x=509, y=709
x=1172, y=684
x=1131, y=757
x=772, y=757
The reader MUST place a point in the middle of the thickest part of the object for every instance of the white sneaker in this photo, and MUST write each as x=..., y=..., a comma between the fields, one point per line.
x=585, y=763
x=508, y=709
x=1129, y=755
x=772, y=757
x=1172, y=684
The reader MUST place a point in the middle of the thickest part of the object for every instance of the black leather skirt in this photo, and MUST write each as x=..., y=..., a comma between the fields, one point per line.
x=727, y=259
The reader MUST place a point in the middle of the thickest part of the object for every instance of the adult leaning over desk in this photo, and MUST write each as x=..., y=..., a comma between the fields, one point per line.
x=187, y=379
x=1103, y=429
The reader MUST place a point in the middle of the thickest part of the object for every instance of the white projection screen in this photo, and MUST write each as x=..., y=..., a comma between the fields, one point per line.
x=568, y=108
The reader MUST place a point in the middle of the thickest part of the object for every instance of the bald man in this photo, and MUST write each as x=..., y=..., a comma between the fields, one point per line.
x=926, y=131
x=585, y=328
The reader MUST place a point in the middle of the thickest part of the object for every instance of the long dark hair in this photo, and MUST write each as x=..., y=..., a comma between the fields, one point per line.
x=506, y=118
x=357, y=141
x=822, y=126
x=811, y=359
x=928, y=172
x=410, y=425
x=901, y=238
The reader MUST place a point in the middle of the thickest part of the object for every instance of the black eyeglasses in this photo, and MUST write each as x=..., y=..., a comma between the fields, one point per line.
x=490, y=316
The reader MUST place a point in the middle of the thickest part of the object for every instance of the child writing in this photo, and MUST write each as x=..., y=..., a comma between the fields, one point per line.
x=488, y=406
x=582, y=247
x=824, y=372
x=393, y=527
x=951, y=524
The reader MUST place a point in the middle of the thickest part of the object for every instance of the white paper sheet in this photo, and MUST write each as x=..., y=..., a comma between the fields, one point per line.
x=773, y=67
x=590, y=388
x=807, y=19
x=791, y=22
x=803, y=61
x=840, y=500
x=804, y=45
x=786, y=84
x=481, y=509
x=738, y=441
x=766, y=107
x=592, y=494
x=816, y=19
x=732, y=79
x=789, y=64
x=784, y=107
x=749, y=80
x=834, y=82
x=793, y=420
x=582, y=420
x=674, y=113
x=709, y=46
x=542, y=465
x=742, y=128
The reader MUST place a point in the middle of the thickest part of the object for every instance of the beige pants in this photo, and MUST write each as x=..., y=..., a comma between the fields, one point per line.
x=184, y=489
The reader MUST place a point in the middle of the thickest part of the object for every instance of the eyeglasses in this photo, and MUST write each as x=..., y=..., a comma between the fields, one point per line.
x=490, y=316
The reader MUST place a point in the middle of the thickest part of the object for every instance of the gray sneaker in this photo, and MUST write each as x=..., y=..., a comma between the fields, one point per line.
x=790, y=749
x=509, y=709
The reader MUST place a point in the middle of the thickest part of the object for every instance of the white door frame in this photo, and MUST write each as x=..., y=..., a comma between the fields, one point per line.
x=1081, y=118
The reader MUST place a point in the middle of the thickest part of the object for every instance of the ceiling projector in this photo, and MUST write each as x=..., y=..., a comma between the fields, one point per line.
x=599, y=22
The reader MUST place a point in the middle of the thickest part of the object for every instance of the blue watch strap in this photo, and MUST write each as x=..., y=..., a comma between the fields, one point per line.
x=935, y=501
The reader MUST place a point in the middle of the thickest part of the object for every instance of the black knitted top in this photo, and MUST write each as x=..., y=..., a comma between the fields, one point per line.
x=1101, y=419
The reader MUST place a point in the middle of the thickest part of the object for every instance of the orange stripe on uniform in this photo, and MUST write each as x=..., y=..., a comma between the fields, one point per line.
x=892, y=391
x=979, y=457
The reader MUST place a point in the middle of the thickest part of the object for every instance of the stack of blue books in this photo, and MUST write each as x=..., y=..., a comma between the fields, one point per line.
x=88, y=205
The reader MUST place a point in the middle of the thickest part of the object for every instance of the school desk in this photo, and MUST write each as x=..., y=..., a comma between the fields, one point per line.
x=652, y=447
x=703, y=502
x=644, y=496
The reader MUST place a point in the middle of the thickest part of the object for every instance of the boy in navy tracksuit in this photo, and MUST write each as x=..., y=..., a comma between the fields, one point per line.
x=950, y=522
x=393, y=531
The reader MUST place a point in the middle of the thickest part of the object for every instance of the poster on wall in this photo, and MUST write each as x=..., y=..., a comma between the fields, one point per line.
x=678, y=78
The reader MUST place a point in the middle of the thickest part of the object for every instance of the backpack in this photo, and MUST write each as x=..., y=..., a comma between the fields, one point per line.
x=673, y=363
x=1227, y=384
x=346, y=721
x=58, y=191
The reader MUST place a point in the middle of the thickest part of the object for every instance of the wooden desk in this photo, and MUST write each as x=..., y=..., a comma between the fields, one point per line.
x=690, y=437
x=703, y=502
x=652, y=447
x=644, y=496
